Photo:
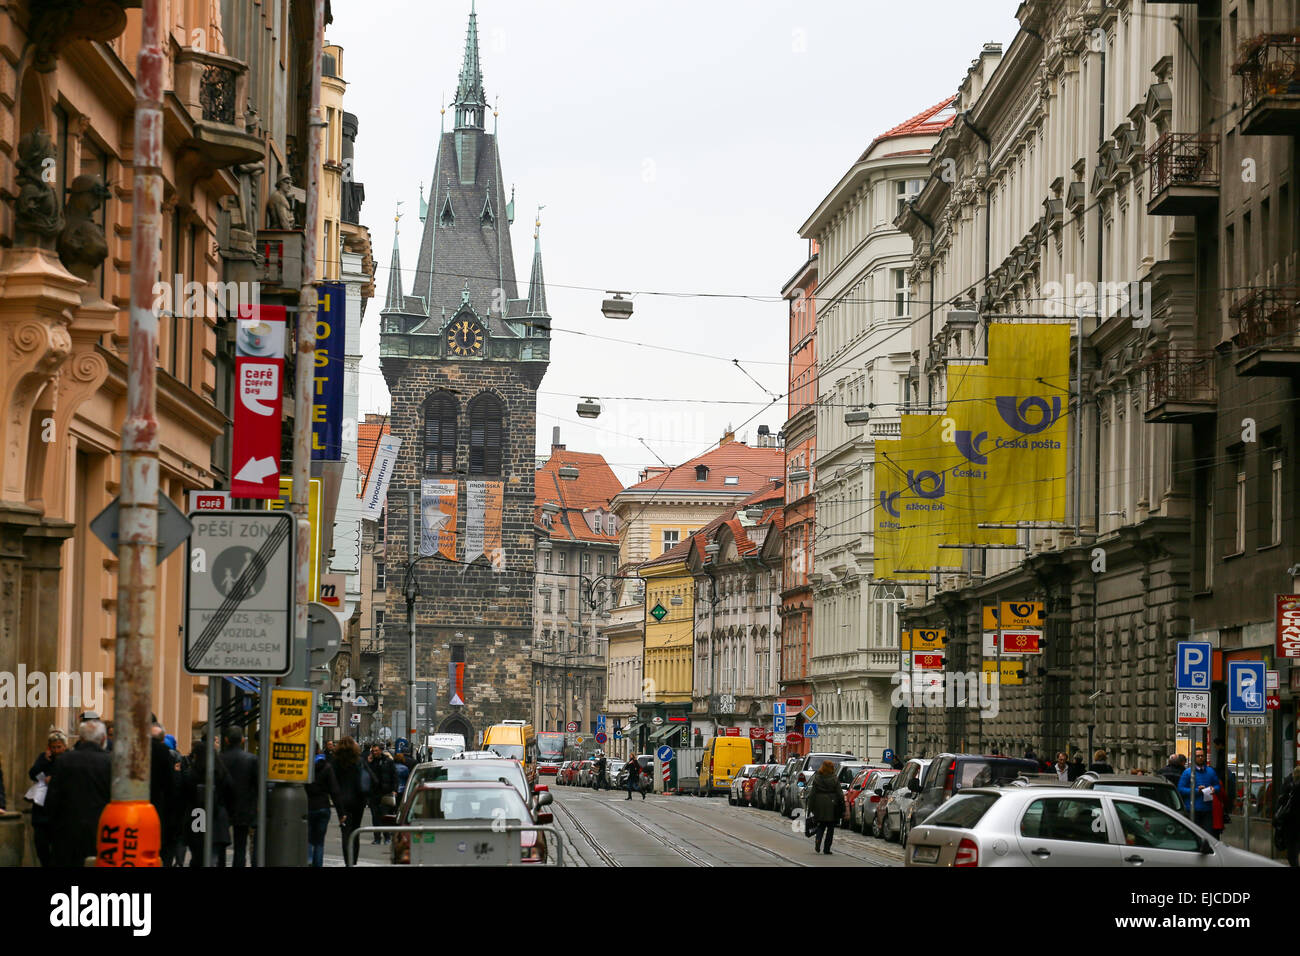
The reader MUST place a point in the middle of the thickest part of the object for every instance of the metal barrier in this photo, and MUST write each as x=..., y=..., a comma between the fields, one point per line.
x=488, y=850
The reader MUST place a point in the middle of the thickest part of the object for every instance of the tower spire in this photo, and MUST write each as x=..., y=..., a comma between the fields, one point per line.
x=537, y=283
x=394, y=300
x=471, y=101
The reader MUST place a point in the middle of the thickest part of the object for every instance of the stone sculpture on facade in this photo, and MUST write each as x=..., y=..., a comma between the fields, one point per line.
x=82, y=245
x=37, y=219
x=279, y=207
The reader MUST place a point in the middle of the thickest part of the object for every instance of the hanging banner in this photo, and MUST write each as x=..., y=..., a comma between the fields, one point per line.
x=1287, y=625
x=923, y=503
x=888, y=480
x=375, y=495
x=283, y=501
x=438, y=518
x=1029, y=374
x=970, y=421
x=327, y=377
x=483, y=504
x=259, y=384
x=456, y=682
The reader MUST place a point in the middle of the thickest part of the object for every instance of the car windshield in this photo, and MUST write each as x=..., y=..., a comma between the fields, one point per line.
x=964, y=810
x=444, y=753
x=474, y=770
x=987, y=773
x=467, y=803
x=1167, y=796
x=512, y=751
x=815, y=761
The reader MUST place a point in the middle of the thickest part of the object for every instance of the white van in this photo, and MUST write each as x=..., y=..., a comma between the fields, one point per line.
x=445, y=746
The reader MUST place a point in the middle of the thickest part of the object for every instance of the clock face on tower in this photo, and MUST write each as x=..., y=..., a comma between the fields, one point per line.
x=464, y=337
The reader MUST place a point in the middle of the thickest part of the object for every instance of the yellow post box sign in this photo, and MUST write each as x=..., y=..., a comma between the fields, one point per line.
x=292, y=719
x=1021, y=615
x=1006, y=673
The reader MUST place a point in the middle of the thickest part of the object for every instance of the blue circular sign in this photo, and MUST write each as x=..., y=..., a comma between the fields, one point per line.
x=664, y=753
x=887, y=755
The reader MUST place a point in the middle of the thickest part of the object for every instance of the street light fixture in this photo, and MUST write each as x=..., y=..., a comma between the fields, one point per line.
x=589, y=408
x=859, y=417
x=617, y=307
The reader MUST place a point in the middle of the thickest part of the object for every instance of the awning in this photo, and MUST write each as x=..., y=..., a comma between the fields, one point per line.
x=247, y=684
x=663, y=732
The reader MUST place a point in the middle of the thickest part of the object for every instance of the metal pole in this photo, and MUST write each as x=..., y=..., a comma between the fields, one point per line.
x=410, y=612
x=1246, y=791
x=209, y=772
x=263, y=755
x=138, y=520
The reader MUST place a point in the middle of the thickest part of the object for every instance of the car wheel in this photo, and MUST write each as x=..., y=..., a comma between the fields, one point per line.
x=730, y=799
x=887, y=831
x=903, y=829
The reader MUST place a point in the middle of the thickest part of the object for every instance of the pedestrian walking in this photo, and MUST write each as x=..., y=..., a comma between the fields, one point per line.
x=825, y=805
x=203, y=759
x=78, y=794
x=1206, y=783
x=162, y=789
x=1076, y=768
x=601, y=765
x=346, y=790
x=41, y=773
x=1173, y=770
x=318, y=810
x=634, y=776
x=1286, y=818
x=242, y=768
x=382, y=796
x=1062, y=767
x=1099, y=764
x=402, y=764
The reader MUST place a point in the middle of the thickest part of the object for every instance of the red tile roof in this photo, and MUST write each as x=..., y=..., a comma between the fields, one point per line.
x=753, y=467
x=595, y=485
x=919, y=125
x=368, y=435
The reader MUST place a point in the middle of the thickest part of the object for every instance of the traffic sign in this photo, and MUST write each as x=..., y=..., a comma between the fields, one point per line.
x=572, y=726
x=664, y=753
x=239, y=594
x=776, y=738
x=809, y=730
x=778, y=724
x=810, y=713
x=324, y=635
x=360, y=702
x=1193, y=709
x=356, y=719
x=1247, y=720
x=173, y=526
x=658, y=612
x=600, y=721
x=887, y=755
x=327, y=718
x=794, y=737
x=1246, y=687
x=778, y=708
x=600, y=737
x=1193, y=671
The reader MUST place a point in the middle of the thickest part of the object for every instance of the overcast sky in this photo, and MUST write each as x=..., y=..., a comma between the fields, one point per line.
x=677, y=146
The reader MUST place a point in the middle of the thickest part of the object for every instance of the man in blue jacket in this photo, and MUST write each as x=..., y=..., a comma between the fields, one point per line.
x=1205, y=779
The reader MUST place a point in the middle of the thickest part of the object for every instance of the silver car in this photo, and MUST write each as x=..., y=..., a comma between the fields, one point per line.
x=901, y=797
x=1064, y=826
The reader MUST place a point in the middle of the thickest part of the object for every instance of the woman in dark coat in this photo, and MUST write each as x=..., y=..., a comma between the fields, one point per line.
x=825, y=805
x=318, y=810
x=55, y=745
x=345, y=788
x=196, y=799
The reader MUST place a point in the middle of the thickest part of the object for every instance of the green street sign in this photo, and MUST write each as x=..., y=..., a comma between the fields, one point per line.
x=658, y=612
x=325, y=708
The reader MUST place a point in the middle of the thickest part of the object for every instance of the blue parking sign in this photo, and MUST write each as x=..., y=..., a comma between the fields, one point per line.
x=778, y=725
x=1193, y=665
x=1246, y=687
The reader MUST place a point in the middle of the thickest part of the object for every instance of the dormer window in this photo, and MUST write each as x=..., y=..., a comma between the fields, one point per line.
x=701, y=473
x=446, y=217
x=598, y=523
x=487, y=216
x=731, y=480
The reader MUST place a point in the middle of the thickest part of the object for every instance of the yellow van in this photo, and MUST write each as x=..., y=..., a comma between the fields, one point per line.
x=514, y=739
x=722, y=760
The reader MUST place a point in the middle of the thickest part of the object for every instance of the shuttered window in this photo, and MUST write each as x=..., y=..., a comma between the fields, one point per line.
x=485, y=435
x=440, y=434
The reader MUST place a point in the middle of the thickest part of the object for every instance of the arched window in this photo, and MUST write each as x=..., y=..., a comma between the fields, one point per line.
x=485, y=435
x=440, y=415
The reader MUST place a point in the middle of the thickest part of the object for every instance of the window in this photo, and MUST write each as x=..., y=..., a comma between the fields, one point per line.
x=379, y=576
x=586, y=564
x=670, y=539
x=1077, y=819
x=439, y=434
x=701, y=473
x=902, y=294
x=379, y=625
x=1239, y=469
x=1145, y=826
x=485, y=435
x=731, y=480
x=600, y=564
x=546, y=601
x=560, y=607
x=904, y=190
x=562, y=557
x=598, y=523
x=1275, y=500
x=547, y=561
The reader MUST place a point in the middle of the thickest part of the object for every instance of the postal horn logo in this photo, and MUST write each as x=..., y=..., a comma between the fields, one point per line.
x=887, y=499
x=968, y=443
x=919, y=480
x=1017, y=414
x=1022, y=610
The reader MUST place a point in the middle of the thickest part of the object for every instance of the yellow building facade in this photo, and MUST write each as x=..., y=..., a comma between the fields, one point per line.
x=668, y=635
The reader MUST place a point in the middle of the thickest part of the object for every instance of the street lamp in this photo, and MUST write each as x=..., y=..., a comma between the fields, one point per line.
x=617, y=307
x=859, y=417
x=589, y=408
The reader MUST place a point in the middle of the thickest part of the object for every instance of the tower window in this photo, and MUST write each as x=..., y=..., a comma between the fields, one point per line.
x=440, y=434
x=485, y=435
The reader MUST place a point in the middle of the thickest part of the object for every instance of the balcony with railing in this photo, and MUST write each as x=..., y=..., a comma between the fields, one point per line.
x=1269, y=69
x=1184, y=171
x=1180, y=386
x=213, y=88
x=1268, y=331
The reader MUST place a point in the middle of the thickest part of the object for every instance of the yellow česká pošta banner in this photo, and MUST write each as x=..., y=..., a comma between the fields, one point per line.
x=923, y=504
x=888, y=486
x=972, y=423
x=1027, y=458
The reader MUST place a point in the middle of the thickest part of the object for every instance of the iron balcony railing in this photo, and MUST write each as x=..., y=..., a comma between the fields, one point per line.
x=1183, y=159
x=1267, y=317
x=1269, y=66
x=1180, y=375
x=217, y=94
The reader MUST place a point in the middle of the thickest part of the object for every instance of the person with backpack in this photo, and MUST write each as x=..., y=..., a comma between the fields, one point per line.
x=1286, y=819
x=825, y=806
x=348, y=783
x=381, y=791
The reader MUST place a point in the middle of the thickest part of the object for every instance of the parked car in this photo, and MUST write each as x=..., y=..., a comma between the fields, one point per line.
x=1152, y=786
x=783, y=803
x=585, y=768
x=1065, y=826
x=765, y=786
x=862, y=814
x=430, y=802
x=742, y=785
x=810, y=765
x=647, y=764
x=901, y=797
x=562, y=775
x=949, y=774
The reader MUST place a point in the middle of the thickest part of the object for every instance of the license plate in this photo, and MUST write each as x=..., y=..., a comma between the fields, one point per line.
x=925, y=854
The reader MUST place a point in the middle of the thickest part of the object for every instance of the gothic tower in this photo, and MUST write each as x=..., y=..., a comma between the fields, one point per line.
x=463, y=354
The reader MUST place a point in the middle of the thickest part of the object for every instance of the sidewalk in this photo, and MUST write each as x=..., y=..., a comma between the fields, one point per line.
x=369, y=854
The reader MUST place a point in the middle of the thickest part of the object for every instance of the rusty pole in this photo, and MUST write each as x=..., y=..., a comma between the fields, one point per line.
x=138, y=520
